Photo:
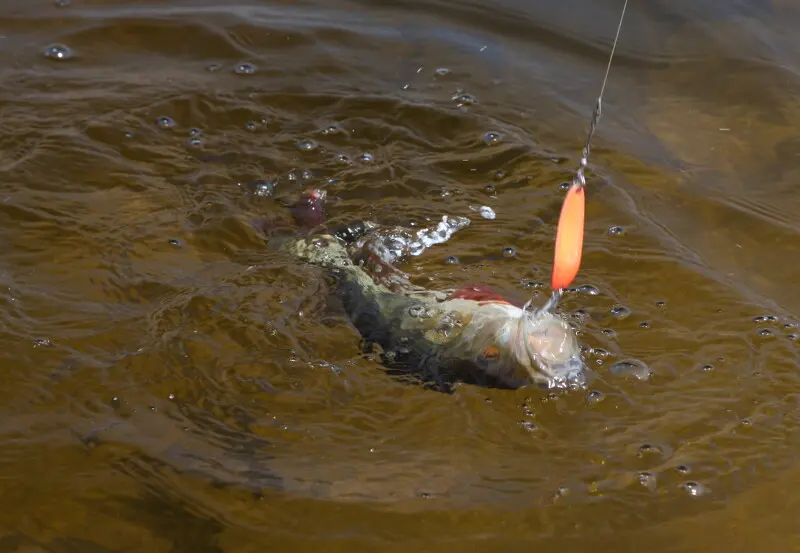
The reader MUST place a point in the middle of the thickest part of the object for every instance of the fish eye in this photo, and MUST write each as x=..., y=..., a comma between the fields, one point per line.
x=492, y=353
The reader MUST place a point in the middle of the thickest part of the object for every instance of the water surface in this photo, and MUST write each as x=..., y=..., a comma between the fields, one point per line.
x=169, y=384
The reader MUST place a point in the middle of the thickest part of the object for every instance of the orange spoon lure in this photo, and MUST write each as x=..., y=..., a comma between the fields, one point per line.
x=569, y=238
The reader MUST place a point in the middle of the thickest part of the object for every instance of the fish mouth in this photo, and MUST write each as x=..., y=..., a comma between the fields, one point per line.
x=570, y=375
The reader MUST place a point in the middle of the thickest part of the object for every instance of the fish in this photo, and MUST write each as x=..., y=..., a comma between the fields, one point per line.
x=470, y=334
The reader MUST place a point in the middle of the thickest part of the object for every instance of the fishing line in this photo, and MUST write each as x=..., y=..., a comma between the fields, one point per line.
x=579, y=182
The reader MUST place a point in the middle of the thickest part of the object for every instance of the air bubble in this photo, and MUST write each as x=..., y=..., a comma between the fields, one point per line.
x=194, y=142
x=647, y=479
x=683, y=469
x=631, y=367
x=588, y=289
x=509, y=252
x=262, y=188
x=307, y=145
x=609, y=332
x=594, y=397
x=58, y=52
x=644, y=324
x=616, y=231
x=463, y=99
x=175, y=242
x=165, y=122
x=441, y=71
x=366, y=157
x=765, y=332
x=707, y=368
x=765, y=319
x=244, y=69
x=251, y=126
x=492, y=137
x=620, y=312
x=452, y=260
x=694, y=489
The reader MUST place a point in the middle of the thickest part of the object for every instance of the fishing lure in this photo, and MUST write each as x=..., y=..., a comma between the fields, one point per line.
x=569, y=235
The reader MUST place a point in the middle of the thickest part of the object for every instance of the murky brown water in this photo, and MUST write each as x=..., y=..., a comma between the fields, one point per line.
x=168, y=384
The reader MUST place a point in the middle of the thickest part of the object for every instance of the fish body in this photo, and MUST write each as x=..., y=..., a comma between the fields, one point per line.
x=471, y=334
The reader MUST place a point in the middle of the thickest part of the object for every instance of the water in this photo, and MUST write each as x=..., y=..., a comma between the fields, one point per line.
x=170, y=385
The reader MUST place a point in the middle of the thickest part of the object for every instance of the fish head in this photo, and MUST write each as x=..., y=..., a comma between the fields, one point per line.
x=520, y=346
x=547, y=347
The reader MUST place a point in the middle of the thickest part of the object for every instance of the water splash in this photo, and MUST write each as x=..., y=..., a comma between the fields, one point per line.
x=394, y=244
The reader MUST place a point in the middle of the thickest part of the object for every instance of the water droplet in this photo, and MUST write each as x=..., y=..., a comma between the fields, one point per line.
x=464, y=99
x=262, y=188
x=594, y=397
x=307, y=145
x=165, y=122
x=58, y=52
x=530, y=426
x=251, y=126
x=509, y=252
x=244, y=69
x=580, y=314
x=441, y=71
x=366, y=157
x=647, y=479
x=600, y=352
x=649, y=449
x=492, y=137
x=644, y=324
x=631, y=367
x=620, y=312
x=616, y=231
x=588, y=289
x=765, y=319
x=332, y=129
x=452, y=260
x=694, y=489
x=534, y=284
x=484, y=211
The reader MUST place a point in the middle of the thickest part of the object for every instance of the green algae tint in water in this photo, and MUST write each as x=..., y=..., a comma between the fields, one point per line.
x=168, y=384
